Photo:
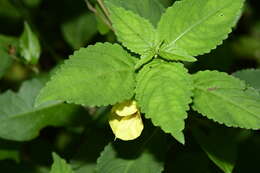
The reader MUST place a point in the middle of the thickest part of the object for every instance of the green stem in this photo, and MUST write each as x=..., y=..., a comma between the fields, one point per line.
x=104, y=9
x=105, y=18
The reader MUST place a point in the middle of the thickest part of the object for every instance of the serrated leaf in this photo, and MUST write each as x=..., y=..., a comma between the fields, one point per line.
x=194, y=25
x=164, y=92
x=135, y=33
x=98, y=75
x=149, y=9
x=221, y=149
x=251, y=76
x=226, y=99
x=131, y=157
x=60, y=165
x=29, y=44
x=21, y=120
x=77, y=32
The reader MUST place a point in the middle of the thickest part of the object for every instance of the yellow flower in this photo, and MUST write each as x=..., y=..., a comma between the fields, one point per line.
x=125, y=108
x=125, y=121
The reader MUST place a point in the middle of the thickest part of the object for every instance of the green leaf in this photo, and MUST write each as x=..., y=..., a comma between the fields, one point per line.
x=77, y=32
x=226, y=99
x=9, y=154
x=59, y=165
x=194, y=25
x=9, y=150
x=221, y=149
x=149, y=9
x=164, y=92
x=5, y=63
x=21, y=120
x=251, y=76
x=30, y=48
x=109, y=162
x=32, y=3
x=8, y=10
x=135, y=33
x=176, y=54
x=7, y=43
x=148, y=56
x=142, y=155
x=98, y=75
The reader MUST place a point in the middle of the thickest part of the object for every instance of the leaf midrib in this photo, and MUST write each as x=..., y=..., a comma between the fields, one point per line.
x=138, y=35
x=194, y=25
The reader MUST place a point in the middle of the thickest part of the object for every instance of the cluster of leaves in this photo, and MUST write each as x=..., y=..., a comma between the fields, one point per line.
x=158, y=45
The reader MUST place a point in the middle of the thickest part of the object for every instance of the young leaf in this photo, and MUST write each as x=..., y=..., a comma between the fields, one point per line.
x=164, y=92
x=135, y=33
x=149, y=9
x=59, y=165
x=21, y=120
x=197, y=26
x=251, y=76
x=79, y=30
x=145, y=58
x=29, y=45
x=174, y=53
x=98, y=75
x=221, y=149
x=226, y=99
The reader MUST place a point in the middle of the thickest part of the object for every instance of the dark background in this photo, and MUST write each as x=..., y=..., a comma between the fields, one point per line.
x=46, y=17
